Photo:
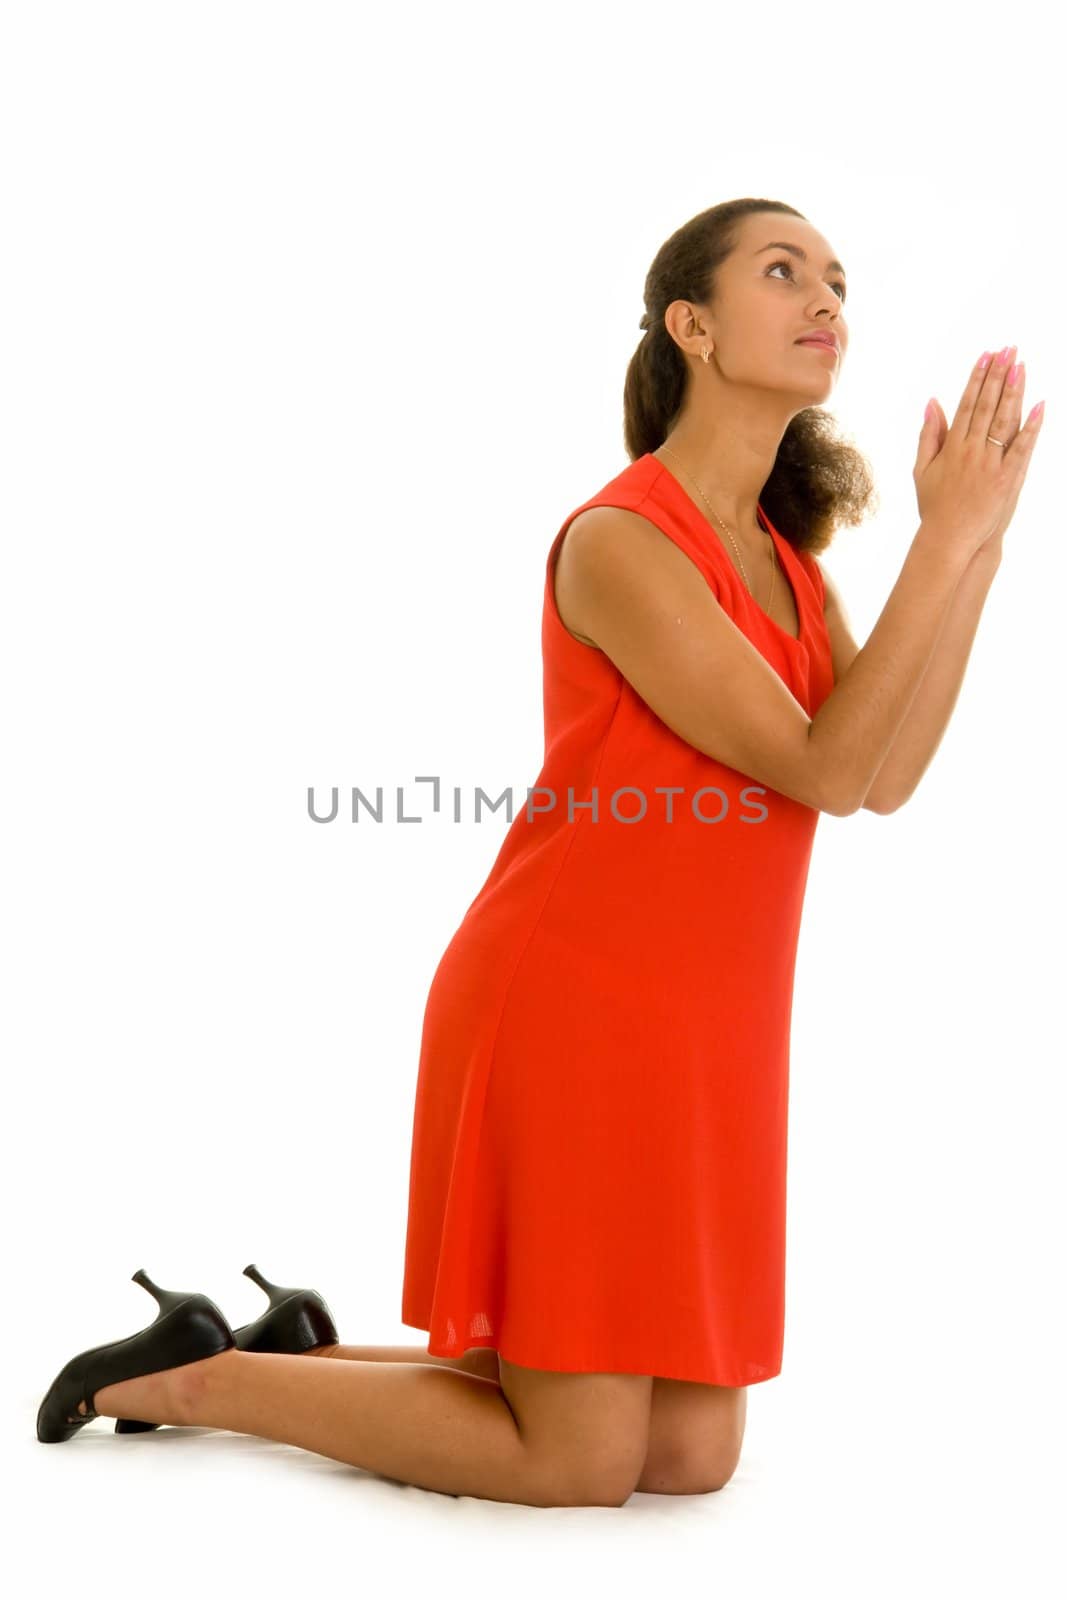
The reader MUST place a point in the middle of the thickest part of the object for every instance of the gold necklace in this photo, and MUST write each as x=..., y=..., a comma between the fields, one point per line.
x=774, y=563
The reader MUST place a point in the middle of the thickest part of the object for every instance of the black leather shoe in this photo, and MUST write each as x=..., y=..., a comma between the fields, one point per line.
x=188, y=1327
x=296, y=1320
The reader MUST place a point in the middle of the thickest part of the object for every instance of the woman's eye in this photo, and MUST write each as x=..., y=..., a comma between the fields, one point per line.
x=788, y=265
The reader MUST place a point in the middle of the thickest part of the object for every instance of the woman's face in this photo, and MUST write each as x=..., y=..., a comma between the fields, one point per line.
x=780, y=283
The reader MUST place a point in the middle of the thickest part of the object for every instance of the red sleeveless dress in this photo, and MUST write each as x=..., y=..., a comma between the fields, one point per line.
x=598, y=1162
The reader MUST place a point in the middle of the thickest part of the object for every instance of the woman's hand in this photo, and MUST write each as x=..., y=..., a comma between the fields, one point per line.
x=965, y=484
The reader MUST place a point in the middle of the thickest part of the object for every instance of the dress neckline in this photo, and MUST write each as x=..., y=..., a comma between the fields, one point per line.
x=786, y=557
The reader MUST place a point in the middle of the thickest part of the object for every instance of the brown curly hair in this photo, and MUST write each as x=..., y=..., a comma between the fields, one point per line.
x=819, y=482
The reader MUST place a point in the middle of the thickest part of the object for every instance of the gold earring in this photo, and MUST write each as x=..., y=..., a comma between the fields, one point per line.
x=703, y=353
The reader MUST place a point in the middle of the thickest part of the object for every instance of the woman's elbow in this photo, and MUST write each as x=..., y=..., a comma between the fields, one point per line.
x=844, y=800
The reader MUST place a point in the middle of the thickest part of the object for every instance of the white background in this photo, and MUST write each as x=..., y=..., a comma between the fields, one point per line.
x=316, y=323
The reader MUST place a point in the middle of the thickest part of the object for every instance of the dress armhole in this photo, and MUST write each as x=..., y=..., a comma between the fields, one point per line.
x=639, y=506
x=815, y=571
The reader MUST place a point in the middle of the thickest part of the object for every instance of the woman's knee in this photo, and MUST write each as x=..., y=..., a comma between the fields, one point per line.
x=587, y=1431
x=695, y=1437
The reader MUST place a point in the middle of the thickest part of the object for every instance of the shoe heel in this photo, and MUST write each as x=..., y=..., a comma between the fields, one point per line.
x=166, y=1299
x=275, y=1292
x=296, y=1319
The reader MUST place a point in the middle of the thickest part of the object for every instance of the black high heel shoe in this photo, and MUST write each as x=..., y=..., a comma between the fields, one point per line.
x=296, y=1320
x=187, y=1327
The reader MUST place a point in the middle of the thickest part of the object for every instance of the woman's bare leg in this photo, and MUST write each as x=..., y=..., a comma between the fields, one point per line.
x=695, y=1430
x=415, y=1422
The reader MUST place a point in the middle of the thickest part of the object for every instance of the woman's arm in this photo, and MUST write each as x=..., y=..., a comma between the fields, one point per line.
x=625, y=586
x=920, y=733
